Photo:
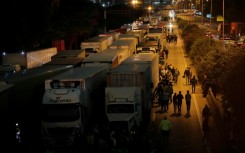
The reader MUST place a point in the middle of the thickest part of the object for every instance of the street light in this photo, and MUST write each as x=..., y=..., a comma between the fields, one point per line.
x=134, y=2
x=202, y=11
x=223, y=25
x=149, y=10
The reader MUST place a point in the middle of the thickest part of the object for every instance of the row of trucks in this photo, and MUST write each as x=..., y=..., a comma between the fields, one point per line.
x=20, y=104
x=119, y=96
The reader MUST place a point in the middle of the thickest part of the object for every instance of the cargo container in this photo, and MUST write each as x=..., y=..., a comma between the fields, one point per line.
x=30, y=59
x=95, y=44
x=72, y=103
x=128, y=44
x=128, y=96
x=111, y=57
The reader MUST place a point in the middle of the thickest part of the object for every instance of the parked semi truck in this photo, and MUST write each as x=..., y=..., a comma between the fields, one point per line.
x=130, y=45
x=95, y=44
x=152, y=46
x=155, y=37
x=145, y=58
x=128, y=96
x=109, y=57
x=73, y=101
x=29, y=59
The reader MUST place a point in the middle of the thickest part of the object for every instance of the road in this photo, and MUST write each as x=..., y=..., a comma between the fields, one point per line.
x=186, y=135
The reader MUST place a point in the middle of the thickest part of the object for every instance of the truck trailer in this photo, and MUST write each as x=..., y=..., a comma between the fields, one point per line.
x=95, y=44
x=73, y=101
x=29, y=59
x=145, y=58
x=128, y=96
x=110, y=57
x=130, y=45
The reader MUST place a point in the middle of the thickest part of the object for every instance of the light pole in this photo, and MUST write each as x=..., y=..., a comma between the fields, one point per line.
x=202, y=12
x=223, y=35
x=134, y=5
x=210, y=20
x=149, y=10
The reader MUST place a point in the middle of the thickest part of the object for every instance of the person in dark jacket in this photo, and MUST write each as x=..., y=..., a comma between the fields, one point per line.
x=180, y=97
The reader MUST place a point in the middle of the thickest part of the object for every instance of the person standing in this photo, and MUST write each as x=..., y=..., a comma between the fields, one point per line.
x=165, y=126
x=170, y=91
x=206, y=112
x=180, y=97
x=166, y=53
x=176, y=74
x=193, y=83
x=175, y=102
x=188, y=101
x=187, y=75
x=165, y=100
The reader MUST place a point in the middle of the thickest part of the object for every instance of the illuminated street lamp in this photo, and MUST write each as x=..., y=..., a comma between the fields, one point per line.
x=149, y=10
x=134, y=2
x=223, y=25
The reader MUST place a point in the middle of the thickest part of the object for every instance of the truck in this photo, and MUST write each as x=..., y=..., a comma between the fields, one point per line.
x=132, y=37
x=26, y=95
x=150, y=46
x=151, y=59
x=73, y=101
x=138, y=33
x=155, y=37
x=7, y=131
x=95, y=44
x=68, y=57
x=110, y=57
x=128, y=97
x=6, y=69
x=29, y=59
x=130, y=45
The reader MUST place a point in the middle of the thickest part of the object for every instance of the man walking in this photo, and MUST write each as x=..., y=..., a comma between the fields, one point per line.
x=187, y=75
x=188, y=101
x=193, y=83
x=165, y=126
x=175, y=102
x=180, y=97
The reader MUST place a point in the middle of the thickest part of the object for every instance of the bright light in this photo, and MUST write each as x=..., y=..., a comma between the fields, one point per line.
x=134, y=2
x=170, y=25
x=22, y=53
x=149, y=8
x=4, y=53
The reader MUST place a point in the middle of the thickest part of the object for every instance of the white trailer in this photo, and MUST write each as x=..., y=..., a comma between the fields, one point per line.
x=128, y=96
x=29, y=59
x=95, y=44
x=138, y=33
x=152, y=60
x=131, y=37
x=155, y=37
x=72, y=102
x=130, y=45
x=111, y=57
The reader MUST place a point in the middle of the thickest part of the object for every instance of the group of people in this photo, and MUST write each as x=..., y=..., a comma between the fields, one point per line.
x=169, y=72
x=190, y=79
x=171, y=38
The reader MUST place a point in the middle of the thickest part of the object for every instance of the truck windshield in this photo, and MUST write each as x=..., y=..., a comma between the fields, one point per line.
x=60, y=113
x=120, y=108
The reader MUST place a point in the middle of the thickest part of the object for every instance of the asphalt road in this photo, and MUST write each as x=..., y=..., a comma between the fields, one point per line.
x=186, y=135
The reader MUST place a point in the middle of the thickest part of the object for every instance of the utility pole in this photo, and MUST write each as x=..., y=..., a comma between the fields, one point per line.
x=223, y=26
